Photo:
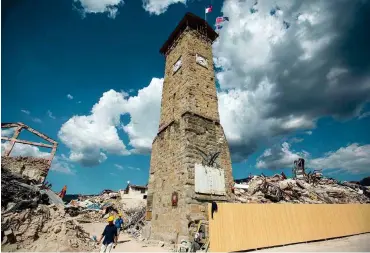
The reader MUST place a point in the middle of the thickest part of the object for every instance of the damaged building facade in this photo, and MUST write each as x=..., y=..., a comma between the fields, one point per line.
x=190, y=162
x=35, y=168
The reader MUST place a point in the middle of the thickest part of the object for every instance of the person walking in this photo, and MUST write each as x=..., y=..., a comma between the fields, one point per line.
x=110, y=236
x=118, y=223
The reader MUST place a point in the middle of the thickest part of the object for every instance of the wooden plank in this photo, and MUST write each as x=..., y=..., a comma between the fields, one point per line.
x=239, y=227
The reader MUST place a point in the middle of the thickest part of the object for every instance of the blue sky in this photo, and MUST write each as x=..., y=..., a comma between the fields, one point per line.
x=283, y=92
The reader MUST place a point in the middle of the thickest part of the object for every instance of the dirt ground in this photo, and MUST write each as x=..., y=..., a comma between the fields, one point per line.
x=356, y=243
x=125, y=243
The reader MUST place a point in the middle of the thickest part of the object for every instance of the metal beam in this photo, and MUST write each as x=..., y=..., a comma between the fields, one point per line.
x=27, y=142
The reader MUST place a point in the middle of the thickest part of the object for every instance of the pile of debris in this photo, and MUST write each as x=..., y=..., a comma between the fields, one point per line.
x=94, y=208
x=34, y=219
x=309, y=190
x=19, y=193
x=135, y=221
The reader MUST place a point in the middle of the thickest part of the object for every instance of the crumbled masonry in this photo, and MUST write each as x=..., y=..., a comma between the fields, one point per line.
x=275, y=189
x=35, y=219
x=35, y=224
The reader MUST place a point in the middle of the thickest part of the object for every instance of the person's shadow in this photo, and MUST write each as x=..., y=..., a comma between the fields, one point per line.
x=123, y=241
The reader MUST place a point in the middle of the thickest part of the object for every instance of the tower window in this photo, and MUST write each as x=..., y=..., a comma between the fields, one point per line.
x=177, y=65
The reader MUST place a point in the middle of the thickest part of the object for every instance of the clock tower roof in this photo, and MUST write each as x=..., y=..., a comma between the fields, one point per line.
x=192, y=21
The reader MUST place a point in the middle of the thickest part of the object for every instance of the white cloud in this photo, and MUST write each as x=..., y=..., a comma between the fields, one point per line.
x=91, y=137
x=278, y=74
x=37, y=120
x=276, y=78
x=296, y=140
x=158, y=7
x=100, y=6
x=79, y=102
x=364, y=115
x=120, y=167
x=69, y=96
x=133, y=168
x=50, y=114
x=26, y=112
x=279, y=157
x=24, y=150
x=144, y=110
x=59, y=164
x=352, y=159
x=7, y=132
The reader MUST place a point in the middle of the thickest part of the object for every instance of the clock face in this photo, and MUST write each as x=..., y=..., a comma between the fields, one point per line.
x=201, y=60
x=177, y=65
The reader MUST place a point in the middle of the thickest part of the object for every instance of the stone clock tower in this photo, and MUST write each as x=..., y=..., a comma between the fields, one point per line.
x=190, y=163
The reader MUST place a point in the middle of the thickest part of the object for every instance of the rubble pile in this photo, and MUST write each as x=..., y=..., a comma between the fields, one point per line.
x=309, y=190
x=31, y=221
x=45, y=228
x=18, y=192
x=135, y=221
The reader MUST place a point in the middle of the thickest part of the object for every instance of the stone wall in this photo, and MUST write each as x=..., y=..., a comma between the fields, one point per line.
x=189, y=122
x=167, y=174
x=30, y=167
x=192, y=88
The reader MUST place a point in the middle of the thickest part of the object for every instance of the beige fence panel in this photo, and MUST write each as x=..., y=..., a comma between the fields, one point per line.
x=236, y=227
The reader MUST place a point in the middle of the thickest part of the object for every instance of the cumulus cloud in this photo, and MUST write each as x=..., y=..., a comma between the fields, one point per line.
x=88, y=136
x=144, y=110
x=69, y=96
x=59, y=163
x=353, y=158
x=110, y=7
x=91, y=137
x=279, y=157
x=282, y=65
x=158, y=7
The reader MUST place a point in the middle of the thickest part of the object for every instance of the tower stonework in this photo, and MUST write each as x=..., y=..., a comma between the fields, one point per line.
x=190, y=155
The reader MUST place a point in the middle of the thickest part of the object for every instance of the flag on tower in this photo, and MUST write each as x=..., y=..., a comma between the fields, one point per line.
x=209, y=9
x=221, y=19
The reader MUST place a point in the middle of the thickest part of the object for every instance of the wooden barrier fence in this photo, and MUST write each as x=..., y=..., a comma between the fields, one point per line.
x=237, y=227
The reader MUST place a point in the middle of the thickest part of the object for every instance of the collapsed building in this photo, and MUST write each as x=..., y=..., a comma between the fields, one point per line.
x=32, y=216
x=31, y=167
x=304, y=188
